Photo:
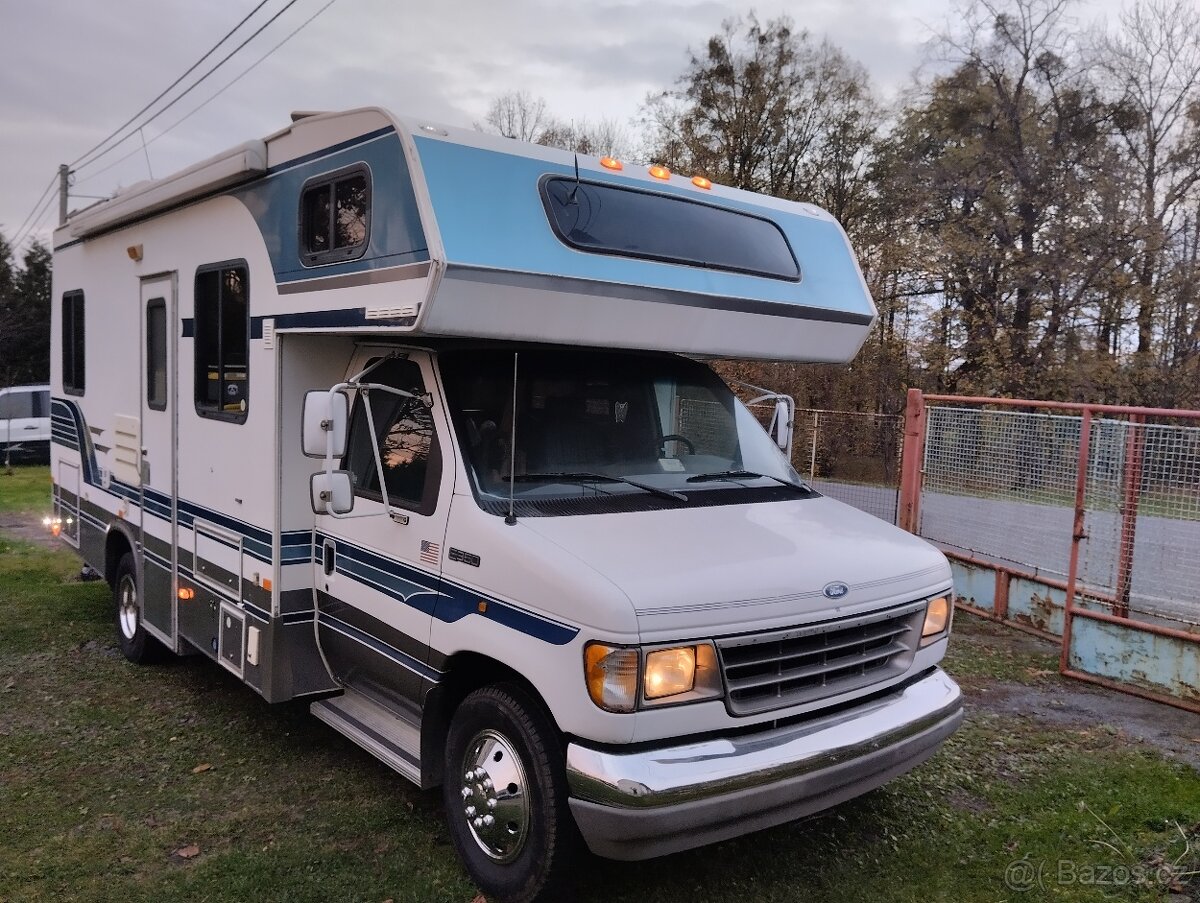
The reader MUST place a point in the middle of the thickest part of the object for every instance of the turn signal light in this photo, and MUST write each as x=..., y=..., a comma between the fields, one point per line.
x=612, y=676
x=660, y=172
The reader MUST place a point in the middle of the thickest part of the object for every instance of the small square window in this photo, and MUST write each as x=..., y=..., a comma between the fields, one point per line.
x=335, y=216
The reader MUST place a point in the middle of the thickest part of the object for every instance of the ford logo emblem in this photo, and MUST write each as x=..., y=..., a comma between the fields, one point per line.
x=835, y=590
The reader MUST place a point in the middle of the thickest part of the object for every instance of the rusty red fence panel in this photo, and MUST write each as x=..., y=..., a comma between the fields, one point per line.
x=1069, y=520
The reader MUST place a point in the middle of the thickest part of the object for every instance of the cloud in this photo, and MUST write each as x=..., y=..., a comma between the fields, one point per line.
x=71, y=72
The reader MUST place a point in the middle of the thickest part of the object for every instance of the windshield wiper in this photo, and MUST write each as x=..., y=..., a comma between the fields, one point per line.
x=583, y=475
x=733, y=476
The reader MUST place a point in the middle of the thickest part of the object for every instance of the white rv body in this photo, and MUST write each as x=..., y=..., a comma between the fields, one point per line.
x=193, y=314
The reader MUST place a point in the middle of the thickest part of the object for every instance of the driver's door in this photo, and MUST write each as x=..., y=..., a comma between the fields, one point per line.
x=377, y=572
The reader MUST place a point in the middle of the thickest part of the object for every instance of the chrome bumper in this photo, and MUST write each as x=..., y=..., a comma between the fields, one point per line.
x=652, y=802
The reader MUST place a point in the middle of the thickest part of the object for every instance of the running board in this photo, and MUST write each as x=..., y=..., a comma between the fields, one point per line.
x=380, y=731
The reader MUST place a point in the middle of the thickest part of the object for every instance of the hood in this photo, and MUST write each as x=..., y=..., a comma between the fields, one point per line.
x=696, y=572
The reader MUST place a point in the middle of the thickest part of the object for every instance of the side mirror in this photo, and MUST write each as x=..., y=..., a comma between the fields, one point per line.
x=331, y=493
x=783, y=424
x=325, y=413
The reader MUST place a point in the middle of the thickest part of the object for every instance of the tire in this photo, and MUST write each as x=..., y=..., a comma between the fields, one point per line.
x=504, y=761
x=136, y=644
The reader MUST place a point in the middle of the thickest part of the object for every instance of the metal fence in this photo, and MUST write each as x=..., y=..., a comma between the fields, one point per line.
x=1058, y=512
x=851, y=456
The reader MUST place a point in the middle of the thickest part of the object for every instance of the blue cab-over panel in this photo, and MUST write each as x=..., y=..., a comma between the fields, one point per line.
x=396, y=235
x=490, y=214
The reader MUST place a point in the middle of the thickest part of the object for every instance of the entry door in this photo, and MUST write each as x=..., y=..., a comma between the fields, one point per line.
x=377, y=573
x=159, y=329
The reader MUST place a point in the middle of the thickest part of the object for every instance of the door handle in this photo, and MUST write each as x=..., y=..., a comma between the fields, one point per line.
x=32, y=426
x=327, y=557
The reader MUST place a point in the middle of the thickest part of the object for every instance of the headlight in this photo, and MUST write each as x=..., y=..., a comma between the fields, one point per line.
x=670, y=672
x=616, y=674
x=937, y=617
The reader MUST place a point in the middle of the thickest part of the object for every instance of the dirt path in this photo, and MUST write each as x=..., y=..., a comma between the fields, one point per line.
x=28, y=528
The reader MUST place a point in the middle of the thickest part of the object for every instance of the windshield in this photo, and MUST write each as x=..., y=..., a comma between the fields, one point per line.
x=608, y=431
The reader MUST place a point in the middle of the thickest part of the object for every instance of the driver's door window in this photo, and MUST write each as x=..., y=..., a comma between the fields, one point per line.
x=408, y=447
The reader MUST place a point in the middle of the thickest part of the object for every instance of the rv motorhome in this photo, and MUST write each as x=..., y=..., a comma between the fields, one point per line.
x=413, y=422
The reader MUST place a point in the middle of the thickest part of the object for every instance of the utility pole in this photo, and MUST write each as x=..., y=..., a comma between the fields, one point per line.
x=64, y=184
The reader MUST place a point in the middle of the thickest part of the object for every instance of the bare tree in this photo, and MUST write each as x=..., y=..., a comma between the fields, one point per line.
x=1152, y=67
x=516, y=114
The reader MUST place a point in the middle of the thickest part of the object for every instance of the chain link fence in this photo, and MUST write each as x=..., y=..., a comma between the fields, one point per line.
x=1001, y=485
x=851, y=456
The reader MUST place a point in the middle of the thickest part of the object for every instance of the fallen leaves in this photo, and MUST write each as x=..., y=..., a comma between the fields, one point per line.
x=202, y=767
x=191, y=851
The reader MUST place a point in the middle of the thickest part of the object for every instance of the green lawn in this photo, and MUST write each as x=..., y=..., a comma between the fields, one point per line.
x=27, y=488
x=102, y=796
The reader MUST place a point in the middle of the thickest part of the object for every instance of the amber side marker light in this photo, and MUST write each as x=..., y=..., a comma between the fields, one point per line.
x=701, y=182
x=612, y=163
x=186, y=593
x=660, y=172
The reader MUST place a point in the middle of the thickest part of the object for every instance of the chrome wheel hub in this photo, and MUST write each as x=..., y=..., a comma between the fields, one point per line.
x=495, y=796
x=127, y=612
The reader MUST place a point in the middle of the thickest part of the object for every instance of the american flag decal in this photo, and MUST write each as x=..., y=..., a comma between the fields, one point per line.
x=431, y=552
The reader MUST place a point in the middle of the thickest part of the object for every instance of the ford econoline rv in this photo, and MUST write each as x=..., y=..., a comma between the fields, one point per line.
x=414, y=422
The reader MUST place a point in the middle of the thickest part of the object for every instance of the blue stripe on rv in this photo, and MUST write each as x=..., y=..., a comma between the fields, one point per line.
x=441, y=598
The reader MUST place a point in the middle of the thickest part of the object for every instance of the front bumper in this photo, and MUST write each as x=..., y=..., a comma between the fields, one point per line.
x=648, y=803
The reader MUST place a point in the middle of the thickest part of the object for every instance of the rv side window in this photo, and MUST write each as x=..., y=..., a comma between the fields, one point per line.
x=72, y=343
x=408, y=446
x=222, y=340
x=335, y=216
x=156, y=354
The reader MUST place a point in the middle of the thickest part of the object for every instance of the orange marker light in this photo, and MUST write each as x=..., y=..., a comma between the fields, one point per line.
x=660, y=172
x=186, y=593
x=266, y=584
x=611, y=163
x=701, y=182
x=55, y=528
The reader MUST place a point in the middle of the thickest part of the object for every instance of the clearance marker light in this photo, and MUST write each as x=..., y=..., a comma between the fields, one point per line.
x=611, y=163
x=186, y=593
x=660, y=172
x=701, y=182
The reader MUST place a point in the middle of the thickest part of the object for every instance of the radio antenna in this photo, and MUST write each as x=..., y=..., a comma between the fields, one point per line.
x=575, y=190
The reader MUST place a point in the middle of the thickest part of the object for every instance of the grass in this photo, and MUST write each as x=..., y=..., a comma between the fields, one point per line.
x=27, y=488
x=102, y=796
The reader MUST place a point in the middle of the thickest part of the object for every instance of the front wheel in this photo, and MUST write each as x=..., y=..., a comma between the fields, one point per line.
x=136, y=644
x=505, y=796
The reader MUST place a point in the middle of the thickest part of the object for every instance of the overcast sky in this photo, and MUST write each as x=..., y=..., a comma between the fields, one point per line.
x=71, y=72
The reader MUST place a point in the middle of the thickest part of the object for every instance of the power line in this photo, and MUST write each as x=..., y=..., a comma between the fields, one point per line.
x=34, y=223
x=201, y=106
x=190, y=88
x=169, y=87
x=33, y=209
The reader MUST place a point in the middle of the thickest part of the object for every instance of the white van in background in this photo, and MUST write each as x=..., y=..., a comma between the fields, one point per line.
x=25, y=423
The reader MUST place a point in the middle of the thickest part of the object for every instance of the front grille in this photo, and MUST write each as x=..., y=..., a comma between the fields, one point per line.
x=798, y=665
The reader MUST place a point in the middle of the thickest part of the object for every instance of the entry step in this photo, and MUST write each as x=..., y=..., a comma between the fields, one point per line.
x=379, y=730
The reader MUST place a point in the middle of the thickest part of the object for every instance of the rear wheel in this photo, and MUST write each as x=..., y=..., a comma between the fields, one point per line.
x=505, y=796
x=136, y=645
